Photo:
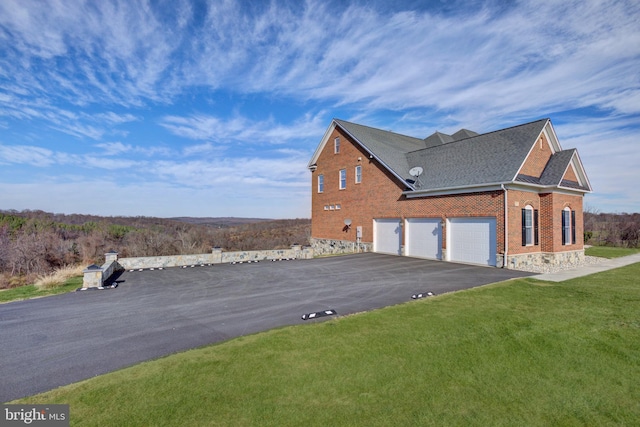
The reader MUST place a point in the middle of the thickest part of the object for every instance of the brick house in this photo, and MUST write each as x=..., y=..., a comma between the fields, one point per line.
x=509, y=198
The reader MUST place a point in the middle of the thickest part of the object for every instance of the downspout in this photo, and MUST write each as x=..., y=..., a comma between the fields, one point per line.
x=506, y=228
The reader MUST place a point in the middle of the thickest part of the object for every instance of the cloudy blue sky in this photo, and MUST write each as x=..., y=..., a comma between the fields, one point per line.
x=213, y=108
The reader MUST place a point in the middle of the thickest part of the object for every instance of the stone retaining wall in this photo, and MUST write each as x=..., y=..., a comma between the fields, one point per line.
x=95, y=276
x=217, y=256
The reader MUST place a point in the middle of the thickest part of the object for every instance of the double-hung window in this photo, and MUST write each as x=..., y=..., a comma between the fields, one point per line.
x=320, y=183
x=358, y=174
x=568, y=227
x=343, y=179
x=336, y=145
x=529, y=226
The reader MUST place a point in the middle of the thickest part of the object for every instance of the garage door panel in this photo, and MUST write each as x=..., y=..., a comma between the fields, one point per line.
x=472, y=240
x=424, y=238
x=387, y=236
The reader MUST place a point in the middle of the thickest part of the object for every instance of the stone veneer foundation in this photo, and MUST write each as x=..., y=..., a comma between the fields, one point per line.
x=334, y=247
x=517, y=262
x=566, y=259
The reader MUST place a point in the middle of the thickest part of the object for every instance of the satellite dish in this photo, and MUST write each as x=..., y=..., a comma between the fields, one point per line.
x=416, y=172
x=347, y=222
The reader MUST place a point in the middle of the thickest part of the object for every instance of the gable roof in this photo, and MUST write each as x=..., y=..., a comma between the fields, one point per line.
x=463, y=133
x=437, y=138
x=555, y=170
x=465, y=159
x=490, y=158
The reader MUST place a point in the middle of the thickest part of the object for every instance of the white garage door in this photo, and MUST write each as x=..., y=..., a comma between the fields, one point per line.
x=472, y=240
x=387, y=236
x=423, y=238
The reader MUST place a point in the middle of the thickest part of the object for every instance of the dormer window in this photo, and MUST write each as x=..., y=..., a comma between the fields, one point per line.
x=336, y=145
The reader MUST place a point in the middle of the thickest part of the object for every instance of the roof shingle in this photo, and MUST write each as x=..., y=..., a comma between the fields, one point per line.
x=489, y=158
x=466, y=159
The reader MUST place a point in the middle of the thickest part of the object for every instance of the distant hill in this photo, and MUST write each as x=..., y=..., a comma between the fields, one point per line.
x=138, y=221
x=219, y=222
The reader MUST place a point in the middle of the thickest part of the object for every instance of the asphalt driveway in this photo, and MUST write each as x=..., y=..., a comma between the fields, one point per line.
x=58, y=340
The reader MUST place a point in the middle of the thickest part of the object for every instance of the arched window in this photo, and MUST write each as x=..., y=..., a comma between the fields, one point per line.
x=529, y=226
x=568, y=226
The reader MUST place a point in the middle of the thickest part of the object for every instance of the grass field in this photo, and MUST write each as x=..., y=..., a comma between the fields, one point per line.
x=518, y=353
x=610, y=252
x=33, y=291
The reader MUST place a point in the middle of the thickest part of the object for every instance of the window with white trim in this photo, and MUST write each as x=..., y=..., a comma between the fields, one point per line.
x=529, y=226
x=568, y=226
x=358, y=174
x=336, y=145
x=320, y=183
x=343, y=179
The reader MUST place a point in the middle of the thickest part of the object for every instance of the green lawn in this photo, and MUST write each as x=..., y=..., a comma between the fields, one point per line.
x=31, y=291
x=610, y=252
x=518, y=353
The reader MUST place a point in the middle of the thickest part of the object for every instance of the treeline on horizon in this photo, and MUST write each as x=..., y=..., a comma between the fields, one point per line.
x=35, y=243
x=612, y=229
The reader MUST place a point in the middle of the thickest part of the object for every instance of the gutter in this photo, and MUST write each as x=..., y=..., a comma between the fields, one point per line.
x=506, y=228
x=452, y=190
x=488, y=187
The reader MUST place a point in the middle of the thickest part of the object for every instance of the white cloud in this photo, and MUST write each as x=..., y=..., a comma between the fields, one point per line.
x=114, y=148
x=278, y=172
x=26, y=155
x=77, y=129
x=29, y=155
x=117, y=51
x=113, y=118
x=212, y=128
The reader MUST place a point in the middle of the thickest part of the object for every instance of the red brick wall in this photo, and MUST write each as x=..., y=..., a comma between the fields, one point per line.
x=537, y=159
x=549, y=207
x=570, y=174
x=516, y=201
x=551, y=221
x=380, y=196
